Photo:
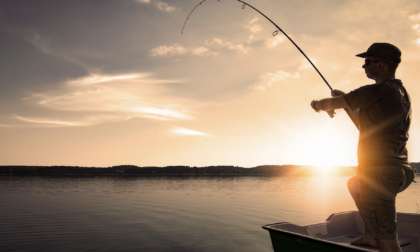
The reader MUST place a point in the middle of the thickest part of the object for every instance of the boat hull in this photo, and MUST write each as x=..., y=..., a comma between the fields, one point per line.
x=283, y=242
x=337, y=232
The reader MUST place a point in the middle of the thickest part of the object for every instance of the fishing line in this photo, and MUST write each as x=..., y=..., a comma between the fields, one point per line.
x=275, y=33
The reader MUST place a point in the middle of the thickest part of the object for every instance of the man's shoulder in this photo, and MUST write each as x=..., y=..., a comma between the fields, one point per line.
x=369, y=87
x=384, y=84
x=392, y=83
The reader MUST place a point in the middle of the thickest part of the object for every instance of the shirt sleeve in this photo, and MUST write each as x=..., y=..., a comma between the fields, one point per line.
x=364, y=96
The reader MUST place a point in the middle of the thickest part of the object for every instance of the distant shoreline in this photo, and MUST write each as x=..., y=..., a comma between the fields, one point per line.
x=131, y=170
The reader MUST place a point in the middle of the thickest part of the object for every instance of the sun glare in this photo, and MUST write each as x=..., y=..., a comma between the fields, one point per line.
x=324, y=169
x=327, y=146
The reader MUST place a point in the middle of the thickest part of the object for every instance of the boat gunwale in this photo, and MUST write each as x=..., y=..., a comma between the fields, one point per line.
x=267, y=227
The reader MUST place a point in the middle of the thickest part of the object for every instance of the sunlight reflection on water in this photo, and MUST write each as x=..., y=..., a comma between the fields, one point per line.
x=218, y=213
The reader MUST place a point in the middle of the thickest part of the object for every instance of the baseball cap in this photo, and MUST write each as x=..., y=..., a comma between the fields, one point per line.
x=383, y=50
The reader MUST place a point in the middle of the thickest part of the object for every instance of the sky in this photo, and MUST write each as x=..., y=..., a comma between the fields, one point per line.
x=114, y=82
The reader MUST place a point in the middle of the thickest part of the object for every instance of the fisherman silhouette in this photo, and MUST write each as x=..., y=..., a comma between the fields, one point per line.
x=382, y=112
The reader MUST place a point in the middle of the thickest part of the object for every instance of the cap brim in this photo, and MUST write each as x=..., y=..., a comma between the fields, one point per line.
x=362, y=55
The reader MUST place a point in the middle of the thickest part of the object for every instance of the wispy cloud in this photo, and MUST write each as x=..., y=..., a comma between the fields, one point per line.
x=168, y=50
x=416, y=27
x=95, y=78
x=352, y=76
x=45, y=45
x=202, y=51
x=306, y=65
x=415, y=17
x=159, y=4
x=254, y=28
x=177, y=49
x=255, y=19
x=48, y=122
x=250, y=39
x=231, y=46
x=165, y=7
x=104, y=98
x=272, y=42
x=269, y=79
x=188, y=132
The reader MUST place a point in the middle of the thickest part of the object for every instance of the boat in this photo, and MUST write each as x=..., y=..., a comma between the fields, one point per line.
x=336, y=233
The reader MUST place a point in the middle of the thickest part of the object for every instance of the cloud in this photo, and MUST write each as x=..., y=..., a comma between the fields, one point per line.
x=202, y=51
x=271, y=42
x=415, y=17
x=165, y=7
x=251, y=37
x=238, y=47
x=180, y=50
x=269, y=79
x=45, y=45
x=48, y=122
x=95, y=78
x=218, y=41
x=416, y=28
x=254, y=28
x=105, y=98
x=231, y=46
x=188, y=132
x=255, y=19
x=350, y=78
x=164, y=50
x=306, y=65
x=335, y=66
x=177, y=49
x=40, y=43
x=160, y=5
x=259, y=87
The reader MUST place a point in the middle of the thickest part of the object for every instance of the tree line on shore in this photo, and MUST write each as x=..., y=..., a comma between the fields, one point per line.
x=132, y=170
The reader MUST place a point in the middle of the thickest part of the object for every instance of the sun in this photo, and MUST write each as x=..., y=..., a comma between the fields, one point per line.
x=327, y=146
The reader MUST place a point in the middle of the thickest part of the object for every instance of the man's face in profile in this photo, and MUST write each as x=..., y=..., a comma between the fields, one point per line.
x=370, y=67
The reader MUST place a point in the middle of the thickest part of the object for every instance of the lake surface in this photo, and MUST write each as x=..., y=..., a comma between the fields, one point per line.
x=221, y=213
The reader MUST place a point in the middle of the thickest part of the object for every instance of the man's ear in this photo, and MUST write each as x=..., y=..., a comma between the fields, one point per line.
x=381, y=65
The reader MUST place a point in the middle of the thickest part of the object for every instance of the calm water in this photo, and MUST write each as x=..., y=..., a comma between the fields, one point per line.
x=165, y=213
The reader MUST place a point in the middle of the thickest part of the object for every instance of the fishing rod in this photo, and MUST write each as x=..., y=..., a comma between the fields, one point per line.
x=274, y=34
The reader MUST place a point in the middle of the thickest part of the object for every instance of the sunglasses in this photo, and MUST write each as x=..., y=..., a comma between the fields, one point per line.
x=367, y=62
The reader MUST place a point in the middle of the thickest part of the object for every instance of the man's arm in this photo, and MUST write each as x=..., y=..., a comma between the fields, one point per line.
x=333, y=103
x=338, y=102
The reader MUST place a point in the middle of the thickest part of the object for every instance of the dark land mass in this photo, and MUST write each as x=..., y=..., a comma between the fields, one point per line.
x=131, y=170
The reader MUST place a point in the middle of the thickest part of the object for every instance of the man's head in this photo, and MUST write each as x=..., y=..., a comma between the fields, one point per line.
x=381, y=61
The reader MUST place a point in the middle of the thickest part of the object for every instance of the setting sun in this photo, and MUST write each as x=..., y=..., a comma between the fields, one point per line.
x=329, y=144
